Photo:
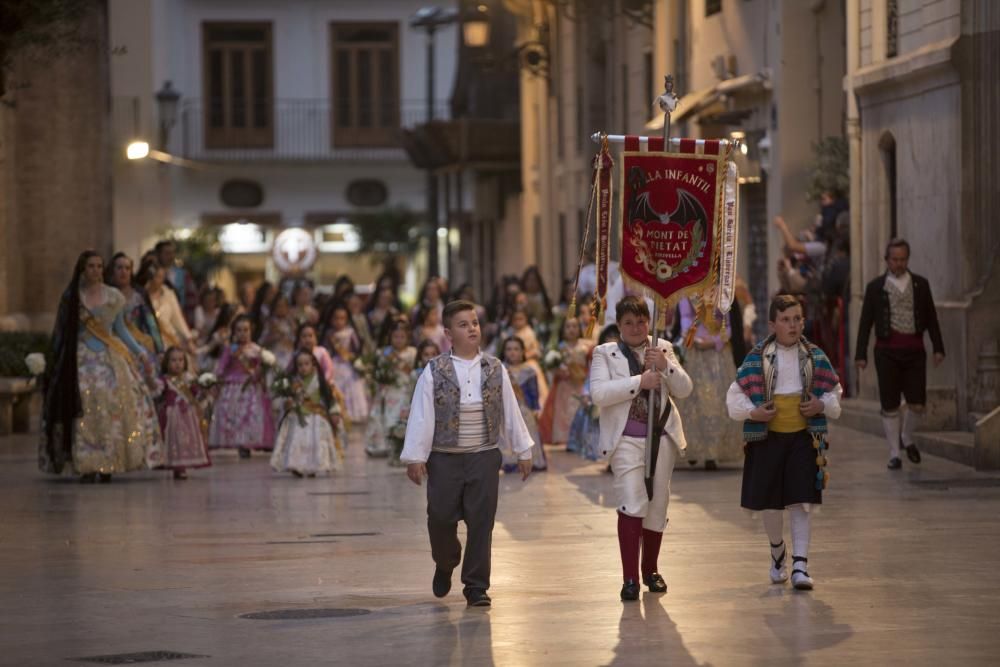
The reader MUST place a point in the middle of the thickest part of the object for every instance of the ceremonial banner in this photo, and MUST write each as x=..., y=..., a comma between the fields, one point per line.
x=672, y=208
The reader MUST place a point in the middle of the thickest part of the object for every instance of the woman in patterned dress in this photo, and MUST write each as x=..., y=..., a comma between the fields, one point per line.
x=391, y=403
x=98, y=417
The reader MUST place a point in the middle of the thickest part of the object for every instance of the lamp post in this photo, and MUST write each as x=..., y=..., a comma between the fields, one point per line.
x=167, y=101
x=430, y=19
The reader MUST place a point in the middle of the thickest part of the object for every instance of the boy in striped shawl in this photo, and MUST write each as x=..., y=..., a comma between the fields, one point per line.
x=784, y=392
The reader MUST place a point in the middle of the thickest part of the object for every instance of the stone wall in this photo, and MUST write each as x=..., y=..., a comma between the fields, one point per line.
x=55, y=178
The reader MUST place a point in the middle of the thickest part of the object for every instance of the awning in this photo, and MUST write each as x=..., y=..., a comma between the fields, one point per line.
x=697, y=102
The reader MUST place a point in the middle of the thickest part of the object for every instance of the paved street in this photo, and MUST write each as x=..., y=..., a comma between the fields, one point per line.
x=905, y=564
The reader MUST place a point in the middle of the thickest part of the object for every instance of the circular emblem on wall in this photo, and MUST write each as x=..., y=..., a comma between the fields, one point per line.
x=239, y=193
x=294, y=251
x=367, y=192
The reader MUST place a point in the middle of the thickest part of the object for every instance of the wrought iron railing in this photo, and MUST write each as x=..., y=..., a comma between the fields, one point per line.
x=297, y=130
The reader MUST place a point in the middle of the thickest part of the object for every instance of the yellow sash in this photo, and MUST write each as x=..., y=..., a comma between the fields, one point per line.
x=788, y=419
x=140, y=336
x=113, y=343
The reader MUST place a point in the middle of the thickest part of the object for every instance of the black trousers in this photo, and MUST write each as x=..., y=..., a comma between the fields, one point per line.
x=463, y=487
x=901, y=372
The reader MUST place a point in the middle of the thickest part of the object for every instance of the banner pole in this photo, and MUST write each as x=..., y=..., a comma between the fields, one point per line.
x=667, y=102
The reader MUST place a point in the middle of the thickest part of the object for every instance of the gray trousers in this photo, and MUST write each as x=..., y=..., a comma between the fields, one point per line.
x=463, y=487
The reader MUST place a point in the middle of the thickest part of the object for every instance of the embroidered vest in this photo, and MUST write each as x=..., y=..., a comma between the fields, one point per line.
x=447, y=399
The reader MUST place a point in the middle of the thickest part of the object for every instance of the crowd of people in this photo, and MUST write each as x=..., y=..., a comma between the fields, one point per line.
x=198, y=372
x=152, y=371
x=815, y=266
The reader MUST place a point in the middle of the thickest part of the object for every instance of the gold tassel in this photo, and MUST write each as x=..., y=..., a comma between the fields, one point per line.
x=689, y=336
x=571, y=311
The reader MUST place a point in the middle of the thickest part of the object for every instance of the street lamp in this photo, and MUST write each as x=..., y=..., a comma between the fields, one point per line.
x=429, y=19
x=476, y=27
x=167, y=101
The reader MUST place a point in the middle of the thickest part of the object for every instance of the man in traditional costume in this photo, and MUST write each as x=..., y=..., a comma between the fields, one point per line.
x=900, y=305
x=622, y=376
x=464, y=402
x=784, y=392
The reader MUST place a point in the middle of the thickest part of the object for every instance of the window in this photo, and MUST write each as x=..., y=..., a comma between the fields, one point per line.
x=712, y=7
x=365, y=89
x=238, y=74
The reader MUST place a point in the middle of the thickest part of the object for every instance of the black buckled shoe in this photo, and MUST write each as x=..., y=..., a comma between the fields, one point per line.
x=630, y=590
x=894, y=463
x=477, y=597
x=655, y=583
x=441, y=584
x=913, y=453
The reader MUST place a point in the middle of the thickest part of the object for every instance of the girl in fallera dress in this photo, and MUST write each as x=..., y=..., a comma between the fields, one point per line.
x=524, y=378
x=429, y=327
x=585, y=429
x=381, y=308
x=391, y=404
x=567, y=386
x=426, y=351
x=344, y=346
x=308, y=339
x=98, y=417
x=308, y=440
x=278, y=334
x=520, y=326
x=215, y=337
x=241, y=418
x=180, y=410
x=302, y=309
x=260, y=310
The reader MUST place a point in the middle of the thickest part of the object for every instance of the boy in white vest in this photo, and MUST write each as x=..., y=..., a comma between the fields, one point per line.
x=462, y=406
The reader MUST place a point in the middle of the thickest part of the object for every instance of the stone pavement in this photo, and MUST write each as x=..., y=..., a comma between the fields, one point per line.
x=905, y=565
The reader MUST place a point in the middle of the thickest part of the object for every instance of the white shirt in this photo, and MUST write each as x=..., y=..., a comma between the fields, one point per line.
x=900, y=283
x=420, y=424
x=787, y=381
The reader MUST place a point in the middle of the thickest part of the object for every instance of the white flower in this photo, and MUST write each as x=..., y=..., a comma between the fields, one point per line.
x=267, y=358
x=207, y=379
x=35, y=363
x=553, y=358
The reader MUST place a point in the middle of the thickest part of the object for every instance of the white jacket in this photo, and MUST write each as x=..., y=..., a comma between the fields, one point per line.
x=613, y=388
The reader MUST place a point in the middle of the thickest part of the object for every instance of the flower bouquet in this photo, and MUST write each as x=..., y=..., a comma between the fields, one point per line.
x=267, y=358
x=35, y=363
x=553, y=360
x=290, y=390
x=385, y=372
x=207, y=380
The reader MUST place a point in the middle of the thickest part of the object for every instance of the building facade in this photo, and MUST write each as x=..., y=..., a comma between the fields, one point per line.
x=55, y=178
x=765, y=71
x=922, y=80
x=289, y=116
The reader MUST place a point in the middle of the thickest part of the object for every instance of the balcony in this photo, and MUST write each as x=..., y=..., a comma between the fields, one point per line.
x=295, y=130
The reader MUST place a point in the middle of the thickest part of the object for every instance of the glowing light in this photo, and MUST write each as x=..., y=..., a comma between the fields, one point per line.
x=137, y=150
